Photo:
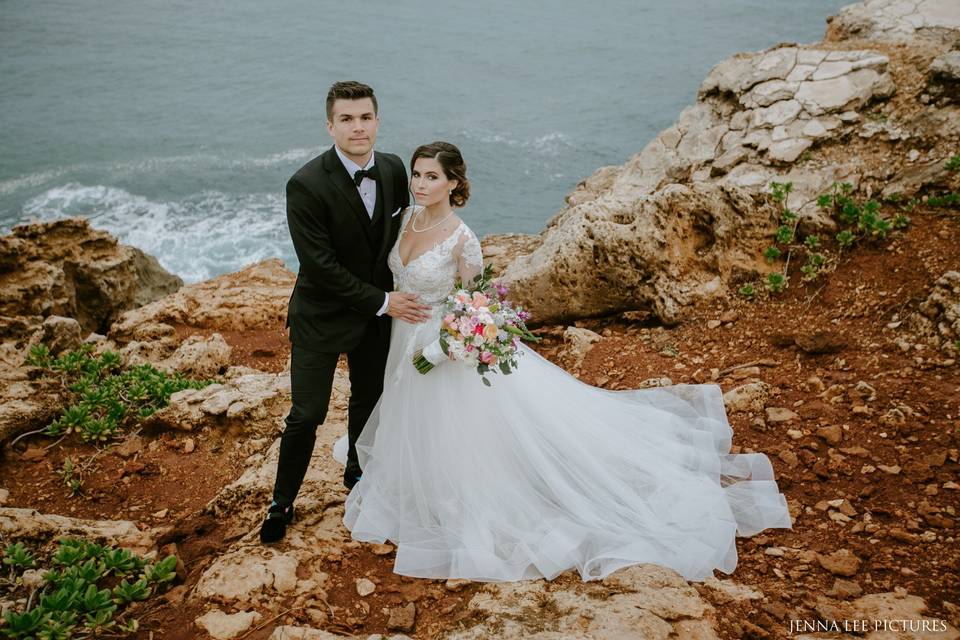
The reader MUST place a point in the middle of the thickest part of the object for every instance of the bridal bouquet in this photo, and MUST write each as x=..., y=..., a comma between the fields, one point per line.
x=480, y=328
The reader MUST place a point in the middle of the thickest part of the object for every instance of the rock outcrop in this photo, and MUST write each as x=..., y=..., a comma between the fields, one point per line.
x=645, y=601
x=250, y=299
x=687, y=217
x=938, y=323
x=26, y=404
x=896, y=20
x=29, y=524
x=254, y=297
x=244, y=401
x=247, y=402
x=66, y=268
x=576, y=344
x=944, y=80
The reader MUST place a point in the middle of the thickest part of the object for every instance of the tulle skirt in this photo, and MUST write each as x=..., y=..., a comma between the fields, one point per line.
x=540, y=473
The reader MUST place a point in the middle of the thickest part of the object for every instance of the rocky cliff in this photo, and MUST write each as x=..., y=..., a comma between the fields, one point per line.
x=66, y=268
x=686, y=219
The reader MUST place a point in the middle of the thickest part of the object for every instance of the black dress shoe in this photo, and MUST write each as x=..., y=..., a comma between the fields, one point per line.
x=275, y=525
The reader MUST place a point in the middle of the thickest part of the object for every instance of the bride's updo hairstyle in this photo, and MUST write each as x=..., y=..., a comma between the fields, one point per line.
x=453, y=167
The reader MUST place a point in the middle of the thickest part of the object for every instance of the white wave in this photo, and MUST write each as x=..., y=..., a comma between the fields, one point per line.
x=153, y=164
x=549, y=144
x=159, y=163
x=30, y=180
x=213, y=160
x=282, y=158
x=201, y=236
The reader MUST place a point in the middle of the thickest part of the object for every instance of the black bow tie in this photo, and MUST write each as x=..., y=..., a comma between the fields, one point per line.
x=371, y=173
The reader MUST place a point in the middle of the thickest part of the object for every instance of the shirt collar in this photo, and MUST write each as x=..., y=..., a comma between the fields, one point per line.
x=351, y=166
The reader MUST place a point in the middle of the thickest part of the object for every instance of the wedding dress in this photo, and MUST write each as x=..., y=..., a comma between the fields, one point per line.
x=541, y=473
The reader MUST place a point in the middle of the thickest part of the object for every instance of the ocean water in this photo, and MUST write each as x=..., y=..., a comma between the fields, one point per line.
x=174, y=125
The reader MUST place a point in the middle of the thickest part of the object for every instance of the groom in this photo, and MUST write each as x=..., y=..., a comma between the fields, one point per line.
x=343, y=210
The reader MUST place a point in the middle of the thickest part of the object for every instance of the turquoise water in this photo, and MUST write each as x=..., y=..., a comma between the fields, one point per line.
x=176, y=124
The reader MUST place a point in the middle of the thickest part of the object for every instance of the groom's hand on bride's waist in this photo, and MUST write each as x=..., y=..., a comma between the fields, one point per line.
x=406, y=306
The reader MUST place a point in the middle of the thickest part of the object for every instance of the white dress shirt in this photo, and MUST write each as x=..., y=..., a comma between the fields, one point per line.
x=368, y=194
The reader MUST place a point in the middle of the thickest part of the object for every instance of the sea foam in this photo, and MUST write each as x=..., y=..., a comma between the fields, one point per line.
x=201, y=236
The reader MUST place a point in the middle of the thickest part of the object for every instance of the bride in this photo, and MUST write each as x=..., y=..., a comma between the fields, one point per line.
x=539, y=473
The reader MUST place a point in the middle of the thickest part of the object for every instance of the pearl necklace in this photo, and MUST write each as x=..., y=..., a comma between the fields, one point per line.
x=413, y=223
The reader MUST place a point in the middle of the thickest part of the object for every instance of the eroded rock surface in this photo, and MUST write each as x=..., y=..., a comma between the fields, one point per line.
x=254, y=297
x=685, y=219
x=246, y=402
x=66, y=268
x=938, y=323
x=30, y=524
x=644, y=601
x=897, y=20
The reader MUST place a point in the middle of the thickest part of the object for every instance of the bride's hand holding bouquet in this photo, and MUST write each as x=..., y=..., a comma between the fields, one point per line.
x=480, y=328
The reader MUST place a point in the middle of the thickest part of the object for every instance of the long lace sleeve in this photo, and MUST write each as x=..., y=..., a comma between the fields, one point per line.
x=469, y=256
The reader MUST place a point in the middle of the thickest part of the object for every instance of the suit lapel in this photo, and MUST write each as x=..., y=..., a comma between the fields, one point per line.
x=345, y=184
x=386, y=185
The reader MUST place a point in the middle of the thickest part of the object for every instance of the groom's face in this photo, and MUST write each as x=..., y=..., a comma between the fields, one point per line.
x=353, y=126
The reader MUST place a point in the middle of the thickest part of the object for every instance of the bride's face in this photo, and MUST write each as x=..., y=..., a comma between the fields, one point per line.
x=429, y=183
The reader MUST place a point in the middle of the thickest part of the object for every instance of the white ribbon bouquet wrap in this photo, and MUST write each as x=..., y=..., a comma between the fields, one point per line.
x=480, y=328
x=433, y=353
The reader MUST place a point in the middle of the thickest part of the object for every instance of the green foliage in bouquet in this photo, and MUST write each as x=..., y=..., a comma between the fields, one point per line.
x=482, y=283
x=106, y=396
x=76, y=600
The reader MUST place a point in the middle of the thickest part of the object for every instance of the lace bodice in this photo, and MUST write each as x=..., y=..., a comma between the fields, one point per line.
x=432, y=274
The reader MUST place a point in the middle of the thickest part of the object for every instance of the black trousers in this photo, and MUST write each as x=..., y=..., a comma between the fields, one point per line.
x=311, y=381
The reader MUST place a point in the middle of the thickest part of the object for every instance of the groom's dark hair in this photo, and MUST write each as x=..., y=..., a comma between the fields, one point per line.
x=348, y=90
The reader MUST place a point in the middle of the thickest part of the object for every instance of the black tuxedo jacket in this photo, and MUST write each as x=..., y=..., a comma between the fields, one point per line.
x=343, y=253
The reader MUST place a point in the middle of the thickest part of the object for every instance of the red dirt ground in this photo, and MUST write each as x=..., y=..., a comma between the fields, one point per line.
x=849, y=309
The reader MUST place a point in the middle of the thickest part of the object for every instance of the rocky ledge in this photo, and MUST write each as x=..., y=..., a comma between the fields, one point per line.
x=874, y=104
x=66, y=268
